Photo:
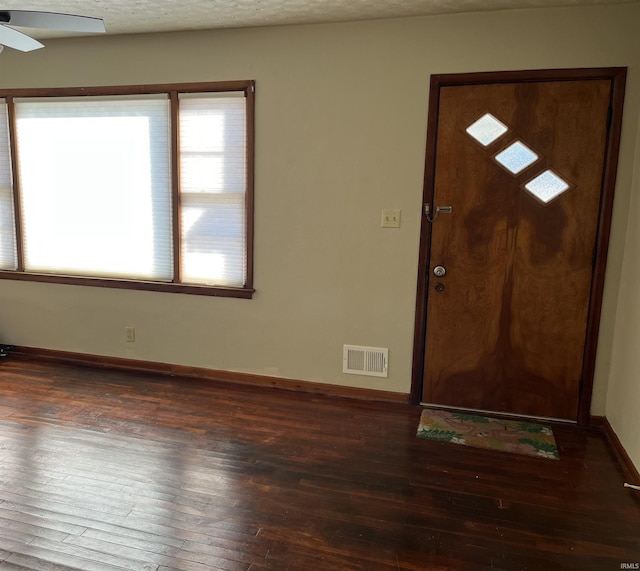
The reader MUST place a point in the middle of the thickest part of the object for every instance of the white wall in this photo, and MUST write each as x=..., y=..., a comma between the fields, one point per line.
x=341, y=125
x=623, y=402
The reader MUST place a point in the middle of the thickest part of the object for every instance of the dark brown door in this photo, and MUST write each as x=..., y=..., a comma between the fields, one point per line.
x=521, y=165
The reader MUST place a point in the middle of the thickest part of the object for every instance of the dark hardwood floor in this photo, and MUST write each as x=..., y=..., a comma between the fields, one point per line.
x=103, y=471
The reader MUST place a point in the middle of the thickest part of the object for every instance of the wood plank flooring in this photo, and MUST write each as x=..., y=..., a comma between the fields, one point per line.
x=104, y=471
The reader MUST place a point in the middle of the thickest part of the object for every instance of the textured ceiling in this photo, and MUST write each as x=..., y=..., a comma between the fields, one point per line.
x=144, y=16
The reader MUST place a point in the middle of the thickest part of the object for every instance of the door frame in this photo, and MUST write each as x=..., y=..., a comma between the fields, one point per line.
x=617, y=76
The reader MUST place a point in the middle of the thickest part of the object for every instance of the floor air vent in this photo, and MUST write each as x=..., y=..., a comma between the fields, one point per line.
x=372, y=361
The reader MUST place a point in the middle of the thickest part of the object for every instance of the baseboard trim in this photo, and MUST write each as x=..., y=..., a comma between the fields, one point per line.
x=122, y=364
x=630, y=471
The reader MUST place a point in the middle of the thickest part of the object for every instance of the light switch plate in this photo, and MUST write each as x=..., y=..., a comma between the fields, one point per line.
x=390, y=218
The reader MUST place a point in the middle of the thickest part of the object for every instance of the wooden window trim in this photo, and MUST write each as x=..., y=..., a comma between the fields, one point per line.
x=172, y=91
x=167, y=287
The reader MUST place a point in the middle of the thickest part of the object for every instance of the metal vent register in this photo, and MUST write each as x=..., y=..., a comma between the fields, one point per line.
x=372, y=361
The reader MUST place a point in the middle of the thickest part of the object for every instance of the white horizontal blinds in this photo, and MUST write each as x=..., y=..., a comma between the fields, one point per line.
x=213, y=176
x=8, y=256
x=95, y=181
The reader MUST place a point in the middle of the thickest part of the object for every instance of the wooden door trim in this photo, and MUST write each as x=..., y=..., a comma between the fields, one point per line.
x=617, y=76
x=618, y=79
x=420, y=327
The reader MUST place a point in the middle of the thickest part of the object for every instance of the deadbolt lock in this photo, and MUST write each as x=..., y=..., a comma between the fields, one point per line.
x=439, y=271
x=439, y=286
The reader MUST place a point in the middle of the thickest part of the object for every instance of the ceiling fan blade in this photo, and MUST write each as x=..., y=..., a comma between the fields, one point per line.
x=52, y=21
x=17, y=40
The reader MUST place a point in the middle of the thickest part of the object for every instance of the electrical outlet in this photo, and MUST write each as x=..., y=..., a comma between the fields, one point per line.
x=390, y=219
x=130, y=334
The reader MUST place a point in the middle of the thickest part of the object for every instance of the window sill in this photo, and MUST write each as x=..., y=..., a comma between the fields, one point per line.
x=190, y=289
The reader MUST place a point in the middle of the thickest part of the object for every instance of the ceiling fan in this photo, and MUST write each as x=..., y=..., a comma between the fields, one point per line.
x=48, y=20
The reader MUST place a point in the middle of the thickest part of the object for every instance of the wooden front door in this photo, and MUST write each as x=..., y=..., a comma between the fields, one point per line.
x=508, y=320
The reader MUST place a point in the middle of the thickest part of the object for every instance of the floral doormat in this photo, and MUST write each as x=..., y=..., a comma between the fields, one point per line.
x=485, y=432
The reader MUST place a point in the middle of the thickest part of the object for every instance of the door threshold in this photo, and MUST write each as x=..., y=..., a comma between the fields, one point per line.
x=497, y=413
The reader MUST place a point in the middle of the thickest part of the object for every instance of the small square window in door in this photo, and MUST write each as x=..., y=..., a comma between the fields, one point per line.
x=516, y=157
x=487, y=129
x=546, y=186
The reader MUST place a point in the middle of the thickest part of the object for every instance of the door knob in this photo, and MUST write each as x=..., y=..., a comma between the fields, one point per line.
x=439, y=271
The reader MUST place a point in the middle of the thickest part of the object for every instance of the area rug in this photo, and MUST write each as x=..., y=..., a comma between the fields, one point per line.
x=485, y=432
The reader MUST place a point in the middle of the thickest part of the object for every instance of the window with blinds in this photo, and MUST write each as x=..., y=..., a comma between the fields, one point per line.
x=212, y=188
x=8, y=256
x=95, y=186
x=151, y=189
